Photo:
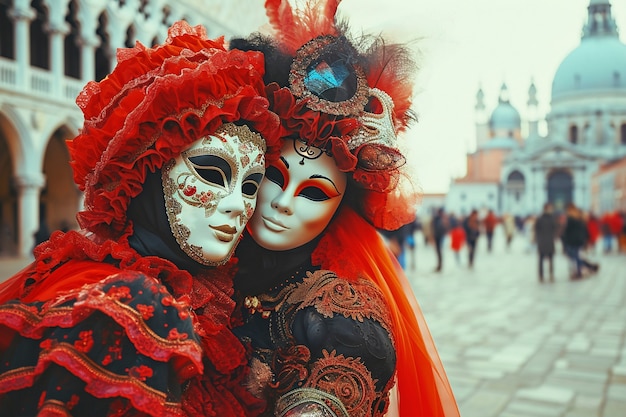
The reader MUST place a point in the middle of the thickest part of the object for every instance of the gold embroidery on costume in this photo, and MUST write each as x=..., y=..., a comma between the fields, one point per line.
x=291, y=366
x=316, y=402
x=330, y=295
x=347, y=379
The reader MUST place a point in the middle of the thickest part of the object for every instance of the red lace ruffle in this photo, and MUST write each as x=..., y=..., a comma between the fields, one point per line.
x=313, y=127
x=155, y=103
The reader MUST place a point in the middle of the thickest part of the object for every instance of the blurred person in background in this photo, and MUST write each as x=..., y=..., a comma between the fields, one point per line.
x=489, y=222
x=411, y=243
x=440, y=227
x=426, y=221
x=593, y=231
x=457, y=240
x=471, y=226
x=621, y=233
x=508, y=224
x=529, y=232
x=546, y=230
x=574, y=238
x=611, y=223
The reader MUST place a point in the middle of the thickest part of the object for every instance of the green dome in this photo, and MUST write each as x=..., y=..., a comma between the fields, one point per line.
x=598, y=64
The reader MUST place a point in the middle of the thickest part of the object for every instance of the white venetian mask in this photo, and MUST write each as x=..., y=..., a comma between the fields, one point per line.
x=210, y=192
x=298, y=197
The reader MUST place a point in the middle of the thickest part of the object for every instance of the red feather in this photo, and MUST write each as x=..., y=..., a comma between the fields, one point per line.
x=295, y=29
x=281, y=18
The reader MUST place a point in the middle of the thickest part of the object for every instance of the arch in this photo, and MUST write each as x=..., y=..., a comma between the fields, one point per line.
x=17, y=135
x=560, y=189
x=103, y=58
x=143, y=9
x=6, y=32
x=167, y=12
x=573, y=134
x=515, y=185
x=515, y=176
x=71, y=44
x=8, y=193
x=59, y=197
x=131, y=35
x=39, y=43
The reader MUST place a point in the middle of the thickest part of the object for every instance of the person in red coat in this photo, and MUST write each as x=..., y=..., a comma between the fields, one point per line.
x=489, y=222
x=457, y=240
x=593, y=231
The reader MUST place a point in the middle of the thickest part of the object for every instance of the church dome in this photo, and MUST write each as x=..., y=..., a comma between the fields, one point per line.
x=598, y=63
x=505, y=116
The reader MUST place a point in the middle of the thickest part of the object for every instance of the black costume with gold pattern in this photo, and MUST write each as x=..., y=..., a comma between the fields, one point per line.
x=312, y=330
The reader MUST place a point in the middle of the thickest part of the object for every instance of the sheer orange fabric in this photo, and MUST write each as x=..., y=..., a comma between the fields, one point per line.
x=422, y=385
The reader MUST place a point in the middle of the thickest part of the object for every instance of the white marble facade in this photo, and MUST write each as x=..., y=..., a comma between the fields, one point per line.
x=586, y=127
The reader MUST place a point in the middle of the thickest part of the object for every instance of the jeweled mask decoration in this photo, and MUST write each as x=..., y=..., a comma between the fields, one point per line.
x=326, y=74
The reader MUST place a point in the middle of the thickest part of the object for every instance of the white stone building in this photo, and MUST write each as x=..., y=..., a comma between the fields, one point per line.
x=49, y=49
x=586, y=127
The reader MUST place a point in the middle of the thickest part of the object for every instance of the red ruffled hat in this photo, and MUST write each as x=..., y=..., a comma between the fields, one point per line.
x=154, y=104
x=349, y=97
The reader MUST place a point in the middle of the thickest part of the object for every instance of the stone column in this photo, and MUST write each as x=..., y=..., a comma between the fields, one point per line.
x=88, y=40
x=88, y=58
x=28, y=190
x=57, y=59
x=57, y=28
x=22, y=14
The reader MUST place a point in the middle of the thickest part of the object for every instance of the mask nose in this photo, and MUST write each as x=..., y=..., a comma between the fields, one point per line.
x=232, y=204
x=283, y=203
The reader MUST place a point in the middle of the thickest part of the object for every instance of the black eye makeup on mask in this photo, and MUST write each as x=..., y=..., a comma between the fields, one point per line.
x=212, y=169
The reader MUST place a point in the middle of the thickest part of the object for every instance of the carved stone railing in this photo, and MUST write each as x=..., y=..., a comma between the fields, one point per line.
x=39, y=83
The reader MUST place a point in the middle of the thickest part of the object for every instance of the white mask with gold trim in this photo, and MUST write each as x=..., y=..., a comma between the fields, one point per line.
x=210, y=192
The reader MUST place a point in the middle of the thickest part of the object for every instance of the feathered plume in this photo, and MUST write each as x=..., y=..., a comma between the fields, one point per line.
x=295, y=29
x=391, y=68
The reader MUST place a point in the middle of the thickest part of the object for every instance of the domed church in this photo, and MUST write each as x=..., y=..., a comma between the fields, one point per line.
x=586, y=129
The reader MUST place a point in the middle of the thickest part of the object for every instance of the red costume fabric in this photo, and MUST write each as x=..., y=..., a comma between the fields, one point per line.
x=93, y=327
x=122, y=339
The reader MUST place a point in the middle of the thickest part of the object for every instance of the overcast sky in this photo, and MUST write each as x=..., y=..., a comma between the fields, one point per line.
x=464, y=44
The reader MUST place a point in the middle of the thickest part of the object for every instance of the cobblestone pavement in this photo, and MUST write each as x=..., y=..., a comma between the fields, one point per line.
x=515, y=347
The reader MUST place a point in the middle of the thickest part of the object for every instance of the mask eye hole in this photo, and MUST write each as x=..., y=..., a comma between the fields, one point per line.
x=212, y=169
x=276, y=175
x=318, y=188
x=314, y=194
x=250, y=185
